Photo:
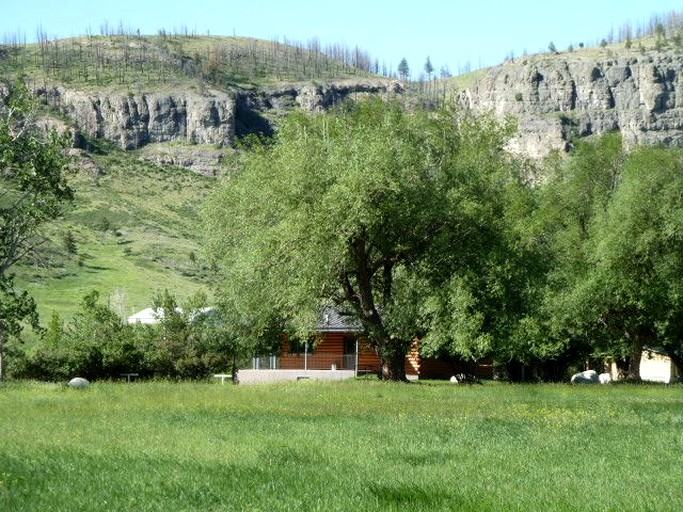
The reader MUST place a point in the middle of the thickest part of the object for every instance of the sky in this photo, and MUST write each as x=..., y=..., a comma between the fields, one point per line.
x=454, y=34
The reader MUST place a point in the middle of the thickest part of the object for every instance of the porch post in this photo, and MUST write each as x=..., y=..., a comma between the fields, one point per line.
x=355, y=362
x=306, y=356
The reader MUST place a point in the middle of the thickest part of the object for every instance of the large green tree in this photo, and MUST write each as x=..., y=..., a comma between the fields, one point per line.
x=613, y=219
x=32, y=190
x=577, y=191
x=369, y=208
x=636, y=260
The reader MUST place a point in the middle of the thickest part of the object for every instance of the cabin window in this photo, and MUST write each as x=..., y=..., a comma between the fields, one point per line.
x=298, y=346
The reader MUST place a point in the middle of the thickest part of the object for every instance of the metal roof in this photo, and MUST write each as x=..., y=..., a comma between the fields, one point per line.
x=335, y=320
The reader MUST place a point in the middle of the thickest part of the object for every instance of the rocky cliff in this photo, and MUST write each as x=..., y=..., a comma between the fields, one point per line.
x=132, y=121
x=135, y=120
x=556, y=98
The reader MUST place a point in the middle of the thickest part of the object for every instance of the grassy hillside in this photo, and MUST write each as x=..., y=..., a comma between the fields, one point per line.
x=135, y=228
x=134, y=223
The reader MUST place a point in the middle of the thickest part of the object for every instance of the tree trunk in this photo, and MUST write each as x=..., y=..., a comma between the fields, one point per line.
x=392, y=354
x=634, y=366
x=634, y=359
x=235, y=370
x=677, y=360
x=391, y=351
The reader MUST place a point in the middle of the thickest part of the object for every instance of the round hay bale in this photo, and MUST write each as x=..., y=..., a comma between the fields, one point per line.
x=587, y=377
x=79, y=382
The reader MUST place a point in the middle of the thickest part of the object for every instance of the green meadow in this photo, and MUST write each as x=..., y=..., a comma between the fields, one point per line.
x=357, y=445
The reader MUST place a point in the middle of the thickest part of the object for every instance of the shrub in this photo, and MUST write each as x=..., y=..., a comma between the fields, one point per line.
x=97, y=344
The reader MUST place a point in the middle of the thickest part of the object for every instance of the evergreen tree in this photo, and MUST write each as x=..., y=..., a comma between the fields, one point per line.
x=403, y=69
x=429, y=69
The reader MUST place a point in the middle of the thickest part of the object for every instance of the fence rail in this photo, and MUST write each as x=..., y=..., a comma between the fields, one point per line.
x=306, y=362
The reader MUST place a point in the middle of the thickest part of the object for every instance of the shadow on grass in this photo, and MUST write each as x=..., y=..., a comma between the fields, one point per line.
x=407, y=496
x=95, y=268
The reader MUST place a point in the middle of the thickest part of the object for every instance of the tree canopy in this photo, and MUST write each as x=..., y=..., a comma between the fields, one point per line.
x=636, y=259
x=368, y=209
x=32, y=191
x=613, y=219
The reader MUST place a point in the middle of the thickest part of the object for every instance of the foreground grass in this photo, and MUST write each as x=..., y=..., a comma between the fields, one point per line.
x=343, y=446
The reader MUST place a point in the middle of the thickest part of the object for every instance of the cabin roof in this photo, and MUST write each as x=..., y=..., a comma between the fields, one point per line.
x=337, y=320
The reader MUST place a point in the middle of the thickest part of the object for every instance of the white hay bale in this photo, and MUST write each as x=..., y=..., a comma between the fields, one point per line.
x=79, y=382
x=587, y=377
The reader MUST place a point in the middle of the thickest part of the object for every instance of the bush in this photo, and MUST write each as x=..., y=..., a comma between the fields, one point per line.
x=97, y=344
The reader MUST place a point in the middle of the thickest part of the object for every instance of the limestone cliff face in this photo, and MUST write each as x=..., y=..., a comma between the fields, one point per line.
x=214, y=117
x=255, y=108
x=320, y=97
x=556, y=98
x=133, y=121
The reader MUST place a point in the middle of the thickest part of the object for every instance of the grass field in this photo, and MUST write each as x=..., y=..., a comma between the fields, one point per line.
x=358, y=445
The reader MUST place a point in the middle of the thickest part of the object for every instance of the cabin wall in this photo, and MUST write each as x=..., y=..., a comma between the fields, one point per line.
x=328, y=353
x=444, y=368
x=657, y=367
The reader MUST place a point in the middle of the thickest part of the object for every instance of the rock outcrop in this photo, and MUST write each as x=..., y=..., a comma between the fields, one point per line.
x=554, y=98
x=213, y=118
x=256, y=108
x=319, y=97
x=201, y=159
x=557, y=97
x=132, y=121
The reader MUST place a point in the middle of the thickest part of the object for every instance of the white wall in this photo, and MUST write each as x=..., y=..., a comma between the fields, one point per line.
x=266, y=376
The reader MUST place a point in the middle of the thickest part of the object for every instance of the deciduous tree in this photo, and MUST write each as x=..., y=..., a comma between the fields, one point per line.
x=368, y=209
x=578, y=190
x=32, y=191
x=637, y=258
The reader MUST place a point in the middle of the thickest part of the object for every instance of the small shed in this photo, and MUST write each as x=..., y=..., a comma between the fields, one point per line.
x=657, y=367
x=153, y=316
x=146, y=316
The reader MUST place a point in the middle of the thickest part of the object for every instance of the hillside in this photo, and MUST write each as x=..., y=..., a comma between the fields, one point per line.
x=133, y=90
x=127, y=62
x=134, y=226
x=154, y=120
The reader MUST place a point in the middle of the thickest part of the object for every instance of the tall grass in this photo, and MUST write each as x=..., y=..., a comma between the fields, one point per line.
x=342, y=446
